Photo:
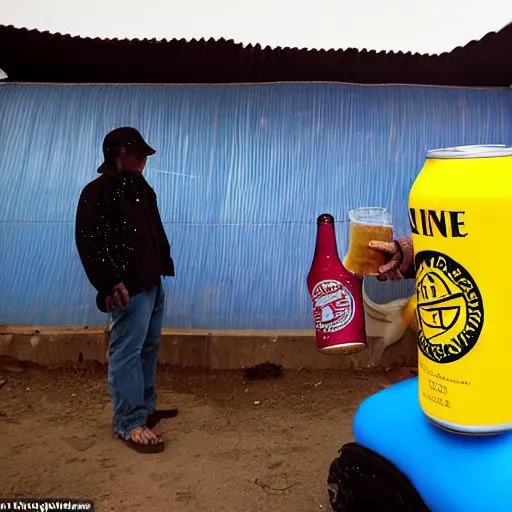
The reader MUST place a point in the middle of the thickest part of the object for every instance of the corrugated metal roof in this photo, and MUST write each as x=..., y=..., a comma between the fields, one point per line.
x=35, y=56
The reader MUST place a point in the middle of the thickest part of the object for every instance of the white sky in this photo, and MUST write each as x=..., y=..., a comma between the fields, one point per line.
x=424, y=26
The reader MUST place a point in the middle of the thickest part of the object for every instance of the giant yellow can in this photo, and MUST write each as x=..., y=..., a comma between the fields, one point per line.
x=460, y=208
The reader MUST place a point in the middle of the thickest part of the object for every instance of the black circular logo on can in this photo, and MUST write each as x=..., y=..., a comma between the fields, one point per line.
x=450, y=310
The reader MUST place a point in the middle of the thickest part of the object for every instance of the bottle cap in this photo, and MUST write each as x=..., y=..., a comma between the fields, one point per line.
x=325, y=218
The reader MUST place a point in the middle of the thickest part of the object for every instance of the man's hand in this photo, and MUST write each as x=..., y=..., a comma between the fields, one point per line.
x=401, y=259
x=118, y=299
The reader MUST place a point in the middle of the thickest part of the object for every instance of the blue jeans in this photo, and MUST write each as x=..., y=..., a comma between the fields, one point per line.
x=133, y=355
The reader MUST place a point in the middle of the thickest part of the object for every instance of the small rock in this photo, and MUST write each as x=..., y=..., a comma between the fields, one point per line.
x=2, y=383
x=257, y=402
x=318, y=384
x=28, y=389
x=73, y=394
x=247, y=390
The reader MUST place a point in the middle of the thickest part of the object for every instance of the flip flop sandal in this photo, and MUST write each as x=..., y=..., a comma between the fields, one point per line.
x=141, y=447
x=155, y=417
x=144, y=448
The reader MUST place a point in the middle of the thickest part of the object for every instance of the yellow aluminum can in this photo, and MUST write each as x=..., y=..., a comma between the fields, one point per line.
x=459, y=211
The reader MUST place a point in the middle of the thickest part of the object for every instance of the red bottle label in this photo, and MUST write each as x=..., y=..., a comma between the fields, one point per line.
x=333, y=306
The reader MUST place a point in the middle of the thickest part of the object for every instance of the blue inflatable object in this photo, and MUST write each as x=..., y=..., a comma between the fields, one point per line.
x=451, y=472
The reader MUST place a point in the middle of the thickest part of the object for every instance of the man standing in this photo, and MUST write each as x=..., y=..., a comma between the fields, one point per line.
x=125, y=252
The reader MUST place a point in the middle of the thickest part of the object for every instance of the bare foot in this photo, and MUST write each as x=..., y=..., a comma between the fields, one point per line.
x=144, y=435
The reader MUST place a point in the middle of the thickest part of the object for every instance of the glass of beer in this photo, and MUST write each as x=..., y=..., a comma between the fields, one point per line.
x=367, y=225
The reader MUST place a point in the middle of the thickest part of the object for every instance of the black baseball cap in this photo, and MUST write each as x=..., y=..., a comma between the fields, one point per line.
x=128, y=138
x=124, y=137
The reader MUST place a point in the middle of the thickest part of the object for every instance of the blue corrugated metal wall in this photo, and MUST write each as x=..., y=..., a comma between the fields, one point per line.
x=241, y=173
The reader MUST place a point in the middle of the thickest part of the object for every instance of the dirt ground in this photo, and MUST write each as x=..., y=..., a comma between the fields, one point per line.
x=237, y=445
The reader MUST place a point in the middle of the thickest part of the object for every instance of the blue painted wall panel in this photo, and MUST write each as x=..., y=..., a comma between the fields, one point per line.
x=241, y=174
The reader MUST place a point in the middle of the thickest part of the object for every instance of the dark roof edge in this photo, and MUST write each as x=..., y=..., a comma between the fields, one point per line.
x=249, y=46
x=32, y=56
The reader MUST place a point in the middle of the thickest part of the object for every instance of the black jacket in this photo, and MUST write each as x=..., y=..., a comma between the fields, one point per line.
x=119, y=235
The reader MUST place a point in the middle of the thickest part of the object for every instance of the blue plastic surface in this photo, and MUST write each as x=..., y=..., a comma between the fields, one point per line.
x=452, y=472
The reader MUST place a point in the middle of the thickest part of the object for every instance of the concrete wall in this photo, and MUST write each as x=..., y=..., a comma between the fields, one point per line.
x=212, y=350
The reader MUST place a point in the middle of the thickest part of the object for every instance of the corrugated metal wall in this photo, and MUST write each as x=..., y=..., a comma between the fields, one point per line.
x=241, y=173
